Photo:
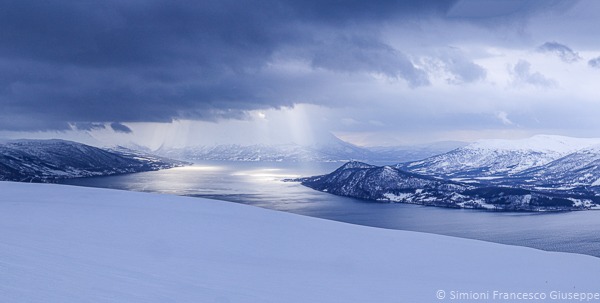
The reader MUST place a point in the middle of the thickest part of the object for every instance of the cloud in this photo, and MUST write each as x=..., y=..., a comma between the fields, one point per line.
x=120, y=128
x=366, y=55
x=564, y=52
x=503, y=117
x=595, y=63
x=461, y=68
x=494, y=12
x=485, y=8
x=522, y=74
x=349, y=122
x=80, y=64
x=87, y=126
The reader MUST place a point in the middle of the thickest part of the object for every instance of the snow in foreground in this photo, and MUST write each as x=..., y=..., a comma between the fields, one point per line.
x=70, y=244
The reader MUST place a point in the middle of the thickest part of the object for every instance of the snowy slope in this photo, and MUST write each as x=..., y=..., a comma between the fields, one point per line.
x=50, y=160
x=407, y=153
x=390, y=184
x=539, y=143
x=499, y=158
x=69, y=244
x=581, y=168
x=385, y=183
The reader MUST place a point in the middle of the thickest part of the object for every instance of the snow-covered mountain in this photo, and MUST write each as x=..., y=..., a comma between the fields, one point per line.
x=361, y=180
x=329, y=150
x=581, y=168
x=51, y=160
x=386, y=183
x=261, y=152
x=499, y=158
x=406, y=153
x=326, y=148
x=538, y=173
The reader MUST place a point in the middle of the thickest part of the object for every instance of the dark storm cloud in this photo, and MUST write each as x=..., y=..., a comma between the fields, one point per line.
x=564, y=52
x=120, y=128
x=491, y=10
x=66, y=63
x=363, y=55
x=93, y=61
x=88, y=126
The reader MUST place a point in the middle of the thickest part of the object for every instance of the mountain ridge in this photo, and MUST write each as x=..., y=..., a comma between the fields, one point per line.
x=499, y=158
x=51, y=160
x=540, y=173
x=390, y=184
x=335, y=150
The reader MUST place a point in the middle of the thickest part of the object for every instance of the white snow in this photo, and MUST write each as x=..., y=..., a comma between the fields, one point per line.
x=464, y=180
x=416, y=163
x=70, y=244
x=399, y=197
x=488, y=178
x=540, y=143
x=543, y=188
x=500, y=157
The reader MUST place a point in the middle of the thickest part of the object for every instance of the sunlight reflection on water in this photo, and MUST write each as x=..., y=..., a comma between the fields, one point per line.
x=260, y=184
x=196, y=167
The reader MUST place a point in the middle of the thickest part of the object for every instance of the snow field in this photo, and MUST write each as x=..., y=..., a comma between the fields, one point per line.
x=71, y=244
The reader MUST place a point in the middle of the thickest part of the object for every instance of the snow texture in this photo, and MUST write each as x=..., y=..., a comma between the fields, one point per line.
x=70, y=244
x=499, y=157
x=333, y=150
x=581, y=168
x=52, y=160
x=538, y=143
x=390, y=184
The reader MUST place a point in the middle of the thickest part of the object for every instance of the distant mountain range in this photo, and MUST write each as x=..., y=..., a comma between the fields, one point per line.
x=327, y=149
x=581, y=168
x=339, y=151
x=406, y=153
x=535, y=174
x=538, y=173
x=499, y=158
x=52, y=160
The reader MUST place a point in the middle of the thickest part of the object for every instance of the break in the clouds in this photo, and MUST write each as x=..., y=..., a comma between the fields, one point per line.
x=564, y=52
x=411, y=66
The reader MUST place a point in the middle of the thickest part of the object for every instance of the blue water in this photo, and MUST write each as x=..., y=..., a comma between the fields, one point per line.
x=260, y=184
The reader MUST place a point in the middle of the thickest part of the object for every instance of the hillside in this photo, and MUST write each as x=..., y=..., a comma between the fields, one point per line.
x=579, y=169
x=390, y=184
x=70, y=244
x=52, y=160
x=499, y=158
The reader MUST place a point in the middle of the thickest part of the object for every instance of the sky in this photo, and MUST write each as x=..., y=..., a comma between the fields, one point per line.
x=374, y=73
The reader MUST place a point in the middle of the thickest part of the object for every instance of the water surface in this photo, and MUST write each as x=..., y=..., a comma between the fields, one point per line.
x=260, y=184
